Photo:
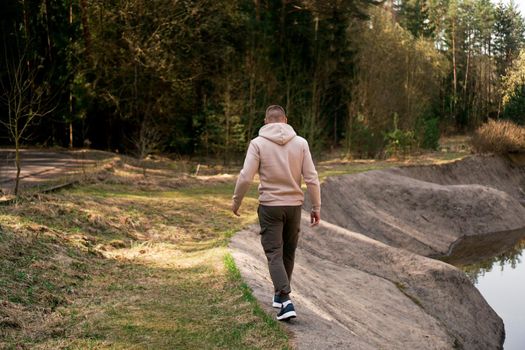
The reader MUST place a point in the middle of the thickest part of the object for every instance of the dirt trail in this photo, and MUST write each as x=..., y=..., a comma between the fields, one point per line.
x=362, y=280
x=42, y=166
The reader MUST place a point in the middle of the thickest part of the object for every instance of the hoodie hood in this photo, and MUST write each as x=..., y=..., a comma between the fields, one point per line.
x=280, y=133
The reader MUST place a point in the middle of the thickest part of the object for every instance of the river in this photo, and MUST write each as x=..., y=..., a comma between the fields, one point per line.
x=496, y=265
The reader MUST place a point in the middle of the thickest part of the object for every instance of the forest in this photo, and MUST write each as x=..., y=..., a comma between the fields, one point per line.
x=193, y=78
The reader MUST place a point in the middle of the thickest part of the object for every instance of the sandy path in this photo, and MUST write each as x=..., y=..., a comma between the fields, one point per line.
x=336, y=307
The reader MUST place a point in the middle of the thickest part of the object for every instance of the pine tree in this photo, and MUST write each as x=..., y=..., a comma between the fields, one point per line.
x=509, y=31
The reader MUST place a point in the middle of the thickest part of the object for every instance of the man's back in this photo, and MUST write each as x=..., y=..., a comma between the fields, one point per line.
x=280, y=157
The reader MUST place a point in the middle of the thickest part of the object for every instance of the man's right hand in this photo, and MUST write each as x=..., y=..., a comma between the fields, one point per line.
x=235, y=209
x=315, y=218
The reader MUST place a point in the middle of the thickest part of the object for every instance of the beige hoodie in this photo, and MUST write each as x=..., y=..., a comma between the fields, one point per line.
x=280, y=157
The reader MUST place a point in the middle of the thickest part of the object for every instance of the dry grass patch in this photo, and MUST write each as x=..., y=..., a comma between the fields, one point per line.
x=40, y=273
x=110, y=264
x=499, y=137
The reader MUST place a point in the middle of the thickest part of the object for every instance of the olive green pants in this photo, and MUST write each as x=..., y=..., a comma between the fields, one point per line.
x=280, y=227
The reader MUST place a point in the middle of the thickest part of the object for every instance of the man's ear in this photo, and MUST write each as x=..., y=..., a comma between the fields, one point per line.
x=285, y=119
x=265, y=121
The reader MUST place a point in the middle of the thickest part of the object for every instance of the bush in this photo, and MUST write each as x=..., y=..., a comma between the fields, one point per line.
x=399, y=142
x=515, y=106
x=500, y=137
x=362, y=142
x=431, y=134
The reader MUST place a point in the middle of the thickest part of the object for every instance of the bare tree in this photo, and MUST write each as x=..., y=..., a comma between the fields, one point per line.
x=26, y=100
x=146, y=141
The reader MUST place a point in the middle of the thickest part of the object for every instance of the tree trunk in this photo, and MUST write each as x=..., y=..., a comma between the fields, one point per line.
x=227, y=105
x=70, y=135
x=465, y=82
x=85, y=26
x=251, y=67
x=17, y=163
x=26, y=19
x=70, y=88
x=489, y=81
x=335, y=141
x=407, y=86
x=47, y=6
x=454, y=67
x=251, y=102
x=349, y=128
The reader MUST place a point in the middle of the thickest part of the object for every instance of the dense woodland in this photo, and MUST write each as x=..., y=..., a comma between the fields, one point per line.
x=194, y=77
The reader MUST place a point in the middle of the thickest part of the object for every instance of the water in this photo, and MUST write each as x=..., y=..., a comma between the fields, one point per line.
x=496, y=265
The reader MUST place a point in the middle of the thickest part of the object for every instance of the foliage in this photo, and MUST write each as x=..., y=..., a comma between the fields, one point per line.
x=509, y=31
x=203, y=72
x=361, y=141
x=513, y=90
x=414, y=16
x=399, y=142
x=220, y=134
x=499, y=136
x=406, y=87
x=514, y=109
x=431, y=133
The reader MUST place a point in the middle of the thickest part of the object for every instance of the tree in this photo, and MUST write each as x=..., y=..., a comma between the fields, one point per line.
x=397, y=82
x=509, y=39
x=413, y=15
x=509, y=31
x=27, y=100
x=514, y=91
x=148, y=139
x=204, y=71
x=464, y=31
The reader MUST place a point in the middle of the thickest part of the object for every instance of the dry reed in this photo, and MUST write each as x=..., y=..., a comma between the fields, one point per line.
x=499, y=137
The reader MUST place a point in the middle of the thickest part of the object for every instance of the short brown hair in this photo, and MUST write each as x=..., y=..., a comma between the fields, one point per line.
x=275, y=113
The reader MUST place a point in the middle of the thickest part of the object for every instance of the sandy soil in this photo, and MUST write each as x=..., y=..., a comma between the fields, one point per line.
x=362, y=279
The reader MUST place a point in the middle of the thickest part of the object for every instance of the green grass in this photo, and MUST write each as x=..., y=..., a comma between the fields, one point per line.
x=343, y=167
x=235, y=276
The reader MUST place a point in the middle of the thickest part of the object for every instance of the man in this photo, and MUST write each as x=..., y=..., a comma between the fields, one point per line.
x=280, y=157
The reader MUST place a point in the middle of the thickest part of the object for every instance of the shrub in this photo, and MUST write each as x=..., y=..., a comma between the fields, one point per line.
x=499, y=136
x=398, y=142
x=515, y=106
x=513, y=89
x=431, y=134
x=362, y=142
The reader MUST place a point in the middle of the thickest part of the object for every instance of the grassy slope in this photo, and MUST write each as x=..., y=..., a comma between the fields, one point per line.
x=115, y=265
x=123, y=262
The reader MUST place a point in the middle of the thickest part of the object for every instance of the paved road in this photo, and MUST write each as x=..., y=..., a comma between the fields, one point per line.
x=41, y=166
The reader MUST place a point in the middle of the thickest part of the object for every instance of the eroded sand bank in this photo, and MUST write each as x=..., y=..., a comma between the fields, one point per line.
x=362, y=279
